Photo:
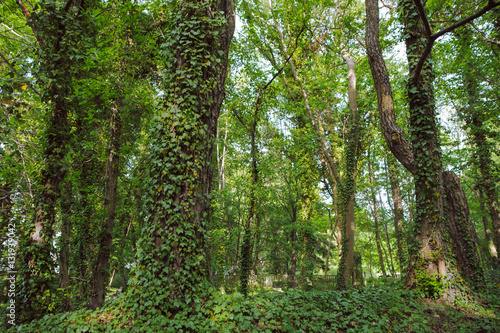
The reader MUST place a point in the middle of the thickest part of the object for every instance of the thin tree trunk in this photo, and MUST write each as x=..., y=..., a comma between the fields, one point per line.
x=293, y=242
x=492, y=250
x=391, y=260
x=65, y=241
x=375, y=216
x=338, y=227
x=101, y=271
x=397, y=209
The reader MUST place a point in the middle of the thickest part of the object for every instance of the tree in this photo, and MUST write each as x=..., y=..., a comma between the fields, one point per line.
x=194, y=67
x=55, y=28
x=422, y=157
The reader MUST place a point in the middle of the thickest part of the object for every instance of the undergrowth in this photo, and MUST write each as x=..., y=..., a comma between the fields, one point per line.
x=381, y=308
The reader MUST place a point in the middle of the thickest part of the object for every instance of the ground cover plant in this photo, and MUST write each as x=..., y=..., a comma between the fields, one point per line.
x=385, y=307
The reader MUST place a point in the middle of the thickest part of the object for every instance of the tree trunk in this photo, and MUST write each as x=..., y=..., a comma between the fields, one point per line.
x=172, y=247
x=429, y=220
x=65, y=241
x=428, y=259
x=397, y=209
x=101, y=271
x=462, y=231
x=338, y=227
x=389, y=249
x=38, y=269
x=293, y=242
x=492, y=250
x=348, y=187
x=375, y=217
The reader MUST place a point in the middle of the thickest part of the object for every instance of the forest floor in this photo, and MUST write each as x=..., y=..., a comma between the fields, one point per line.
x=384, y=307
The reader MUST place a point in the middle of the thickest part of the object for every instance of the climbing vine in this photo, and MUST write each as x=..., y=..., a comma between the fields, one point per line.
x=171, y=254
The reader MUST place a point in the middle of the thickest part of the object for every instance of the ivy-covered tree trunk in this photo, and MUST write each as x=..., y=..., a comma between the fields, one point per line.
x=101, y=271
x=421, y=156
x=429, y=257
x=55, y=28
x=247, y=246
x=348, y=185
x=171, y=263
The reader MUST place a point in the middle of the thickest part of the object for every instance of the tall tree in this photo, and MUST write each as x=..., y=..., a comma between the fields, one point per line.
x=55, y=28
x=171, y=251
x=422, y=156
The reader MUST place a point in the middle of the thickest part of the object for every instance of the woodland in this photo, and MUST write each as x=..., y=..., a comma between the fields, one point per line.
x=250, y=166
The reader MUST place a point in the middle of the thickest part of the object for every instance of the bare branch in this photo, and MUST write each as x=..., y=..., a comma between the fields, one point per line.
x=486, y=38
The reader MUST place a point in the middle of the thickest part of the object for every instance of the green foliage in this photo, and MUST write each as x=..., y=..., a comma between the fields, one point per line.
x=385, y=308
x=431, y=286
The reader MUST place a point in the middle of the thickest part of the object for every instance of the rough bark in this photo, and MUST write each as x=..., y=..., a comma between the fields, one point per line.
x=394, y=136
x=462, y=231
x=101, y=270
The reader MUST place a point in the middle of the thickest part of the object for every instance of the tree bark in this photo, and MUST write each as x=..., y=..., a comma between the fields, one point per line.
x=462, y=231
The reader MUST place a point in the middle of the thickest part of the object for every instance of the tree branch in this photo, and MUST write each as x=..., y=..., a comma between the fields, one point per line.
x=428, y=48
x=423, y=17
x=486, y=38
